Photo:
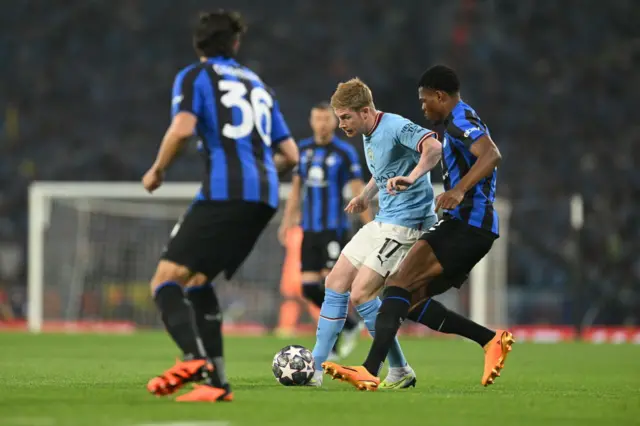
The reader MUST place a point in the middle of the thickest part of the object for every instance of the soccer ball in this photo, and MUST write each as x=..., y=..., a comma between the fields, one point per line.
x=293, y=366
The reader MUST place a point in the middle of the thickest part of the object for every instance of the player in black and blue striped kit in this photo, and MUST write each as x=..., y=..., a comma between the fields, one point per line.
x=238, y=121
x=327, y=165
x=445, y=254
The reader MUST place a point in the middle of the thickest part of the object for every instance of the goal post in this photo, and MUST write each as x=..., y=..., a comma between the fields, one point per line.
x=90, y=242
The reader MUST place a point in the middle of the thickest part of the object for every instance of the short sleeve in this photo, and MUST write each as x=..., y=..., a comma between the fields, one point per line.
x=279, y=129
x=185, y=95
x=468, y=129
x=411, y=135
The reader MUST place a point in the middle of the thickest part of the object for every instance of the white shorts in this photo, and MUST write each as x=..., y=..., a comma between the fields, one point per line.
x=380, y=246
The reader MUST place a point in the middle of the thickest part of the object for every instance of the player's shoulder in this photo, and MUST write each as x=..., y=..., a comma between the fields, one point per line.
x=464, y=119
x=191, y=70
x=397, y=123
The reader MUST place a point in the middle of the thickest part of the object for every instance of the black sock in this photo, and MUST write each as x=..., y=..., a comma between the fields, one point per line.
x=434, y=315
x=394, y=310
x=314, y=292
x=209, y=321
x=178, y=318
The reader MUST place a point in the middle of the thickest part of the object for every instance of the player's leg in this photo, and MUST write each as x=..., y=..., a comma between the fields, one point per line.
x=243, y=223
x=333, y=312
x=436, y=316
x=335, y=308
x=418, y=268
x=201, y=293
x=347, y=340
x=364, y=296
x=172, y=274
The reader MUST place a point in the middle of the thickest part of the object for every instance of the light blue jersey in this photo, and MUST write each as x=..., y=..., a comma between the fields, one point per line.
x=391, y=149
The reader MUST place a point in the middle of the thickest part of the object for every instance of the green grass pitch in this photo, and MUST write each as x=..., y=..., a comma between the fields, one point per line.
x=70, y=380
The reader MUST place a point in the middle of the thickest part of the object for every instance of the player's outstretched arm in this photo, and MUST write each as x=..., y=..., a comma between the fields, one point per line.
x=177, y=135
x=430, y=153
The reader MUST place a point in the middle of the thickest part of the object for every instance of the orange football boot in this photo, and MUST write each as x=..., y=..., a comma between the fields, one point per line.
x=357, y=376
x=495, y=354
x=175, y=377
x=206, y=393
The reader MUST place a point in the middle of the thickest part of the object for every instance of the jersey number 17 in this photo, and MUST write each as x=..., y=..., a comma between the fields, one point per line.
x=255, y=112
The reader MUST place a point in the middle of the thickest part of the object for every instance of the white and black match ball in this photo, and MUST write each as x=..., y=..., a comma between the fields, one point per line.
x=293, y=366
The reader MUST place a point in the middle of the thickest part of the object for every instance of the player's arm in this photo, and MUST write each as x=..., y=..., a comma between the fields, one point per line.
x=353, y=171
x=488, y=158
x=360, y=203
x=423, y=141
x=357, y=187
x=177, y=135
x=186, y=103
x=288, y=155
x=291, y=209
x=480, y=144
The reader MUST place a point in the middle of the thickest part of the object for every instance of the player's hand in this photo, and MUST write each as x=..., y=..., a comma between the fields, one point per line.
x=152, y=180
x=450, y=199
x=357, y=205
x=398, y=184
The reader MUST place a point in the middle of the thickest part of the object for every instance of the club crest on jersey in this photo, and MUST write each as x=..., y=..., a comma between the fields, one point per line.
x=370, y=154
x=331, y=160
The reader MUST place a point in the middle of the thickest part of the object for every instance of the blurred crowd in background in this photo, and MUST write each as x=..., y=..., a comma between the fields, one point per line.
x=85, y=95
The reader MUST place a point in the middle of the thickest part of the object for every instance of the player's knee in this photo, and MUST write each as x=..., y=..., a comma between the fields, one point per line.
x=337, y=283
x=197, y=280
x=170, y=272
x=361, y=295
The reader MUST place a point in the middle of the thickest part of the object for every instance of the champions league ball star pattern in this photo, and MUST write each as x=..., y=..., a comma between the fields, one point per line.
x=293, y=366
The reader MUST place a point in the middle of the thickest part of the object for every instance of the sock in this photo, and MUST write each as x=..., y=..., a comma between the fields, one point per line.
x=314, y=292
x=368, y=311
x=437, y=317
x=332, y=317
x=392, y=313
x=209, y=322
x=178, y=318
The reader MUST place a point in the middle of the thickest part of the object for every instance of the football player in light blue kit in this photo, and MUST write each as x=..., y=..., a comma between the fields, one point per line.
x=394, y=146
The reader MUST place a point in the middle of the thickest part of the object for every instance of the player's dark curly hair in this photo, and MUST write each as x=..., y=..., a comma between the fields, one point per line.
x=216, y=33
x=440, y=77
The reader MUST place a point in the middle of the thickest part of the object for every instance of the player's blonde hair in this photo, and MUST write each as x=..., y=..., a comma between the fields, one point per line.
x=352, y=94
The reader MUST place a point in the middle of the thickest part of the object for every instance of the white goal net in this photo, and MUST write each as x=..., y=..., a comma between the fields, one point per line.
x=94, y=246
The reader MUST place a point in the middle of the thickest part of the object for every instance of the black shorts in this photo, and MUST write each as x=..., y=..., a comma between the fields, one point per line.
x=320, y=250
x=216, y=236
x=458, y=247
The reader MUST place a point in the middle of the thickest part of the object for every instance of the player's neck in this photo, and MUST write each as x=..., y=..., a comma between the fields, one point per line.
x=323, y=139
x=451, y=104
x=371, y=122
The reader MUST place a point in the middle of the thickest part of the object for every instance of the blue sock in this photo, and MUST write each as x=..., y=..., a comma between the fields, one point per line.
x=368, y=311
x=332, y=317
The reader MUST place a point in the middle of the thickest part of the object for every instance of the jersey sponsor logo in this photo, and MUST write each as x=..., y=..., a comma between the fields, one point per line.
x=471, y=130
x=410, y=128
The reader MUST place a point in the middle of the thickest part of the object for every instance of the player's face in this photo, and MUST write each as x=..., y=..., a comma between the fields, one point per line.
x=351, y=122
x=432, y=102
x=323, y=122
